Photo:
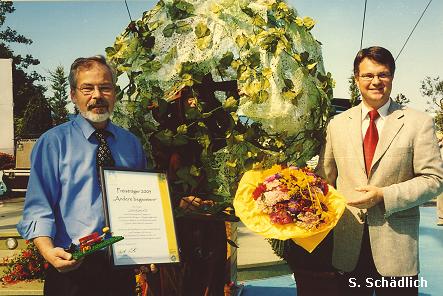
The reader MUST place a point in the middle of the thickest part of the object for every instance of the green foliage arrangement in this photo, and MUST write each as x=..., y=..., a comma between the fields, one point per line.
x=28, y=265
x=275, y=93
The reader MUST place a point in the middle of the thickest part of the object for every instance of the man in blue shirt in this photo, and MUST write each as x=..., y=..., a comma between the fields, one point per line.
x=63, y=200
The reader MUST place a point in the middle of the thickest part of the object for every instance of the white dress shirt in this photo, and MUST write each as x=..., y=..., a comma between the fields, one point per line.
x=379, y=122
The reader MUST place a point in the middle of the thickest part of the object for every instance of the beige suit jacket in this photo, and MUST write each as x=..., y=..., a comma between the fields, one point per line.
x=406, y=165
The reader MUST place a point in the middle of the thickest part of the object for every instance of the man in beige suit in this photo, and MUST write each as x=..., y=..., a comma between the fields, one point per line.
x=384, y=158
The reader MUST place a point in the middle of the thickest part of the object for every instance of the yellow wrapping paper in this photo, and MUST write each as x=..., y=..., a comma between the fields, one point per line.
x=259, y=222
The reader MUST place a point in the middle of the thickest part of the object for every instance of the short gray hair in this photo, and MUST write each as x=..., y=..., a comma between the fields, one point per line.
x=88, y=63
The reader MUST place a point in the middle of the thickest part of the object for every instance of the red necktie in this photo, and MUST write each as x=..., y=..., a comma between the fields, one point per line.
x=371, y=140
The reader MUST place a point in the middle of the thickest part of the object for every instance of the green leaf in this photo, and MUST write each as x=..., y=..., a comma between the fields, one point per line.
x=172, y=54
x=258, y=21
x=304, y=57
x=194, y=171
x=288, y=95
x=204, y=141
x=165, y=136
x=230, y=104
x=215, y=8
x=203, y=43
x=241, y=40
x=201, y=30
x=185, y=6
x=311, y=66
x=308, y=22
x=179, y=140
x=239, y=138
x=231, y=164
x=152, y=66
x=226, y=60
x=299, y=21
x=296, y=57
x=254, y=59
x=182, y=129
x=169, y=30
x=288, y=83
x=183, y=27
x=193, y=114
x=184, y=174
x=263, y=96
x=180, y=10
x=110, y=51
x=248, y=11
x=186, y=67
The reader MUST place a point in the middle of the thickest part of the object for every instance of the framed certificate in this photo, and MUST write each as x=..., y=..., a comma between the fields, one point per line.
x=138, y=207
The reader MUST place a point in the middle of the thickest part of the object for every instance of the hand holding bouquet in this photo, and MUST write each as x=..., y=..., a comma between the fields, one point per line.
x=288, y=203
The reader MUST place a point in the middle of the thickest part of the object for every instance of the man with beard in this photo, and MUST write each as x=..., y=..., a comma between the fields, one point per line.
x=63, y=199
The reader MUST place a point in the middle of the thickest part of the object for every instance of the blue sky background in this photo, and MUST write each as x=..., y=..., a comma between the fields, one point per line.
x=65, y=30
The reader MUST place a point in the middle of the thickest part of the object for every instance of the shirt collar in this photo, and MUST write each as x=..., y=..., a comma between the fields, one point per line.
x=87, y=128
x=382, y=111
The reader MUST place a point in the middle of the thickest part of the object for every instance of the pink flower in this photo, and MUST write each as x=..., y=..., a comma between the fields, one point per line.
x=281, y=217
x=258, y=191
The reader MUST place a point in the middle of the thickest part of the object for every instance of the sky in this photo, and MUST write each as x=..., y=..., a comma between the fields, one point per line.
x=64, y=30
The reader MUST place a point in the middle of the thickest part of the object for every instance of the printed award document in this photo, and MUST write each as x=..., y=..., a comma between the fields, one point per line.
x=137, y=206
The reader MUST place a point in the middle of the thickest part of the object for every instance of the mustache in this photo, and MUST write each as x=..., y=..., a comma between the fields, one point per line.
x=97, y=104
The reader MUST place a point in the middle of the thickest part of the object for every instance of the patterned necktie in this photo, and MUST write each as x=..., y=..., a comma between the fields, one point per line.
x=104, y=157
x=371, y=140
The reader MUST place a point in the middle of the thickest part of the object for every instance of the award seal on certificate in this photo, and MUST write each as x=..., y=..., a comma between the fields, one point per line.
x=137, y=205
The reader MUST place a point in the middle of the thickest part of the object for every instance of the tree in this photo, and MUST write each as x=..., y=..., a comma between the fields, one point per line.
x=37, y=117
x=402, y=99
x=24, y=86
x=59, y=99
x=354, y=92
x=433, y=89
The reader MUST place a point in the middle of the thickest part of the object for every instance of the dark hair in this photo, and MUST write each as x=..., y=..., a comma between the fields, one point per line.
x=87, y=63
x=377, y=54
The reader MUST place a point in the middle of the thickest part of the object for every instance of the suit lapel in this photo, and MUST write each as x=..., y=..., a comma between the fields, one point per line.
x=355, y=136
x=394, y=122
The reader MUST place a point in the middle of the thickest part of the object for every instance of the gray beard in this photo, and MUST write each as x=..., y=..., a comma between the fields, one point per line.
x=94, y=117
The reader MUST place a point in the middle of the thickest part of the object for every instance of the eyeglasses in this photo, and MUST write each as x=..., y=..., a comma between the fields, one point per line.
x=384, y=76
x=88, y=89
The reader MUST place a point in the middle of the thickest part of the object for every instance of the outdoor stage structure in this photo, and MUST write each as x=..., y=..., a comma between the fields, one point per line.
x=218, y=87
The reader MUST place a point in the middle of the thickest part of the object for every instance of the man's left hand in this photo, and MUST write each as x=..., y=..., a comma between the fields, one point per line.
x=372, y=196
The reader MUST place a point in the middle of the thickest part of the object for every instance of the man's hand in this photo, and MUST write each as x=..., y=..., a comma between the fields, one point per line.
x=57, y=257
x=373, y=195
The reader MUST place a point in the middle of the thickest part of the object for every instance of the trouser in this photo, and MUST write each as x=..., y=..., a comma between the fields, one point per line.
x=365, y=279
x=94, y=277
x=313, y=272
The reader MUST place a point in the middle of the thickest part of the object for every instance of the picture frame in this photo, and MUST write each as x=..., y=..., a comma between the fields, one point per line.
x=137, y=205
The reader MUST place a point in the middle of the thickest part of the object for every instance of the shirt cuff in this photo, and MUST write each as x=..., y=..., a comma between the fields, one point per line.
x=32, y=228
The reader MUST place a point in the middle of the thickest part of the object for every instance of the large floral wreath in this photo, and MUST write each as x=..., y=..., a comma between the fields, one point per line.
x=217, y=87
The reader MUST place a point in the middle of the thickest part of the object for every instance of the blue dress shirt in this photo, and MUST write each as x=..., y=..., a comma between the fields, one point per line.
x=63, y=199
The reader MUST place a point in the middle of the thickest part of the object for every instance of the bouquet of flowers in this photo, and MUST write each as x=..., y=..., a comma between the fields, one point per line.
x=288, y=203
x=293, y=196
